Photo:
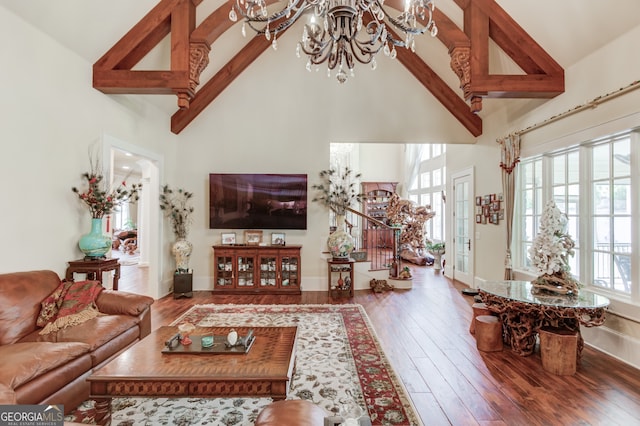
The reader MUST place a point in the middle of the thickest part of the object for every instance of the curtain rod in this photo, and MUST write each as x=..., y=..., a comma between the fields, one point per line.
x=591, y=104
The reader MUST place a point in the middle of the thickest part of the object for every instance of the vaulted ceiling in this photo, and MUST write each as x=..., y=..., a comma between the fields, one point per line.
x=190, y=47
x=471, y=31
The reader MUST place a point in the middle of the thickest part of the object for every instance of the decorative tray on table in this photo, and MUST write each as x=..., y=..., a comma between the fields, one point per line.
x=209, y=344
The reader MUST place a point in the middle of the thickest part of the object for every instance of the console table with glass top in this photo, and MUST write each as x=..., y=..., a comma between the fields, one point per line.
x=524, y=311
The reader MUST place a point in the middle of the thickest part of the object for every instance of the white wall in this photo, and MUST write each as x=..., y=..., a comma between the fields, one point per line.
x=381, y=162
x=51, y=115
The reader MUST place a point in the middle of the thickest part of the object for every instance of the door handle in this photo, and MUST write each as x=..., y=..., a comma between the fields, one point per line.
x=469, y=244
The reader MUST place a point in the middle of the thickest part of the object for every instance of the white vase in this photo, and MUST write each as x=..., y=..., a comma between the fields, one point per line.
x=181, y=252
x=340, y=242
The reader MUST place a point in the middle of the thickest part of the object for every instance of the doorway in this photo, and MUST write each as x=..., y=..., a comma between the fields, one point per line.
x=463, y=226
x=144, y=166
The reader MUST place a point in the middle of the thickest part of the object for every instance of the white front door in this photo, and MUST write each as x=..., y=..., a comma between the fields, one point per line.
x=461, y=254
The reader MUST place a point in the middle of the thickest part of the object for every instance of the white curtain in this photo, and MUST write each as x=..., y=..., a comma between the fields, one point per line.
x=510, y=156
x=413, y=157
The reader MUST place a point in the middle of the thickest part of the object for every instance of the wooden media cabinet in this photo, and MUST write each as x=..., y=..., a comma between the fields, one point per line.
x=257, y=269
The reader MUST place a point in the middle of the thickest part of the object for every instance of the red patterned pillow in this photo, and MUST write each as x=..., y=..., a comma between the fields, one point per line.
x=50, y=306
x=77, y=306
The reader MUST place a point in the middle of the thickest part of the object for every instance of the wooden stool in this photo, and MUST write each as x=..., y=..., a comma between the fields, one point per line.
x=559, y=350
x=291, y=412
x=488, y=333
x=478, y=309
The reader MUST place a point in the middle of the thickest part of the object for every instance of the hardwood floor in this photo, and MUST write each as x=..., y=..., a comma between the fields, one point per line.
x=425, y=333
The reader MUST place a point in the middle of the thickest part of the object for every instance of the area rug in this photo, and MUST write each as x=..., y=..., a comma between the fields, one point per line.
x=339, y=362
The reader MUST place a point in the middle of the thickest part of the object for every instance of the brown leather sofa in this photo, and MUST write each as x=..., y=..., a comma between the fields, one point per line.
x=53, y=368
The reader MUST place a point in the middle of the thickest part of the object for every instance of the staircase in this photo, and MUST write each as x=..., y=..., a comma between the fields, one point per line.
x=379, y=258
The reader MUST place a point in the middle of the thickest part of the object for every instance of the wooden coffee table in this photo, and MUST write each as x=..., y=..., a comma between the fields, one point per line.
x=143, y=370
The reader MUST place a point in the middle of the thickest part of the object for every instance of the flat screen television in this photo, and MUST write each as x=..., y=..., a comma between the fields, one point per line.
x=257, y=201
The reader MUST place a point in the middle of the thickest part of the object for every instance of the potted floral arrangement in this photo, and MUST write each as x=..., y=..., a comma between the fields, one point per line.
x=101, y=200
x=176, y=206
x=436, y=250
x=338, y=191
x=549, y=254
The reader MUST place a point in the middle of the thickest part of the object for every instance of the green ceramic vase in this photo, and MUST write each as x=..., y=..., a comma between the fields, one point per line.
x=95, y=244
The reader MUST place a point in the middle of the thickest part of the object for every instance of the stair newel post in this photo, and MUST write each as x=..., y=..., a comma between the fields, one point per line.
x=397, y=260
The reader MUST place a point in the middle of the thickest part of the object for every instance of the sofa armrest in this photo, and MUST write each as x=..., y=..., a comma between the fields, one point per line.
x=7, y=395
x=122, y=303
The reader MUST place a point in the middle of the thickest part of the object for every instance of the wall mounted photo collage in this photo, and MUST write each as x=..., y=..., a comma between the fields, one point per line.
x=489, y=209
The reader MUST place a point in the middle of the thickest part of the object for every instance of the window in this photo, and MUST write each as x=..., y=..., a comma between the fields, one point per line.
x=429, y=187
x=611, y=214
x=565, y=187
x=529, y=199
x=592, y=184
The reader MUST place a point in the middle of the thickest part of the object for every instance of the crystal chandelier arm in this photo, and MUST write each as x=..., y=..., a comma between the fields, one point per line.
x=407, y=21
x=271, y=19
x=364, y=51
x=259, y=21
x=318, y=49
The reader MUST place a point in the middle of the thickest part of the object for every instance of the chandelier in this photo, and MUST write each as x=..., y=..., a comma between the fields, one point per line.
x=340, y=30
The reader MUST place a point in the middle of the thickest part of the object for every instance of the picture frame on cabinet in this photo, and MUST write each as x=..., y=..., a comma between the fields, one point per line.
x=277, y=239
x=228, y=238
x=252, y=237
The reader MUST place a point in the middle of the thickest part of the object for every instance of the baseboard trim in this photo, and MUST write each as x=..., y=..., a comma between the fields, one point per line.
x=613, y=343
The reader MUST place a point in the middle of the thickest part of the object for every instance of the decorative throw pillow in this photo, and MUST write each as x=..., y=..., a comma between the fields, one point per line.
x=50, y=306
x=78, y=305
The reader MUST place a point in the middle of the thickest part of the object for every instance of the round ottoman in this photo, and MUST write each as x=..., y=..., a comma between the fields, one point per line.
x=294, y=412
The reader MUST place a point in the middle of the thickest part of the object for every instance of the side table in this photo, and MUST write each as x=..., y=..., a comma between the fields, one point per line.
x=94, y=269
x=340, y=276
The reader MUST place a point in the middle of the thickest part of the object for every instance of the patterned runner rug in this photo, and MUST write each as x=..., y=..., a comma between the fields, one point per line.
x=339, y=362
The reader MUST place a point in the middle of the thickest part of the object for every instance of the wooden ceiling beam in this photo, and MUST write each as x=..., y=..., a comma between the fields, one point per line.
x=113, y=72
x=485, y=19
x=140, y=39
x=140, y=82
x=448, y=33
x=439, y=89
x=518, y=86
x=517, y=43
x=219, y=82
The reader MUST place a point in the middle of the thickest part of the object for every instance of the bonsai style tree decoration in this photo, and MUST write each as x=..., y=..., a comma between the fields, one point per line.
x=412, y=218
x=337, y=191
x=176, y=207
x=550, y=253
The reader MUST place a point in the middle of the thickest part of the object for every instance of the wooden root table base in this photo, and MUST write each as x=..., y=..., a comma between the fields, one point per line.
x=521, y=321
x=143, y=370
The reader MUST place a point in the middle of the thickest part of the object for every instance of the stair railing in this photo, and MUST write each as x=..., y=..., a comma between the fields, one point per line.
x=375, y=241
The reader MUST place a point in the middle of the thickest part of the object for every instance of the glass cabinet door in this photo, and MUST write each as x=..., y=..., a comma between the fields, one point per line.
x=268, y=273
x=289, y=267
x=246, y=270
x=224, y=271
